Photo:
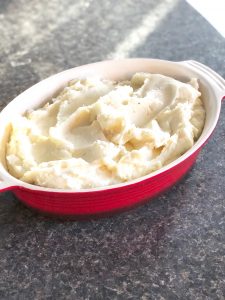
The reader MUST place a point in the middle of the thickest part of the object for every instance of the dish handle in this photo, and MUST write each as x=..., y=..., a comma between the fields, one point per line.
x=218, y=81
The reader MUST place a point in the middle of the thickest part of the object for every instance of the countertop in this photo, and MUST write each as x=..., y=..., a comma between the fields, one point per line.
x=173, y=247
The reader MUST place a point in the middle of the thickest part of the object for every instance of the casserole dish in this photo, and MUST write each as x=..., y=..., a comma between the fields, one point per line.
x=106, y=200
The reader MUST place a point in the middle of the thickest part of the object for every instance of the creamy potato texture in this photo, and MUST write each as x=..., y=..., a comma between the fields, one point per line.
x=100, y=132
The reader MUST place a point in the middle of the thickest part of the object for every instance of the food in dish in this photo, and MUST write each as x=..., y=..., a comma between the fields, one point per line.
x=101, y=132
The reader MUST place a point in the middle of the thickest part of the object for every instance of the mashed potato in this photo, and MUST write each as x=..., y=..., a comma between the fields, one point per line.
x=100, y=132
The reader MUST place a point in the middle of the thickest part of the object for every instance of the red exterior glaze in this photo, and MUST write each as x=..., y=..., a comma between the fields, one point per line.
x=8, y=188
x=104, y=201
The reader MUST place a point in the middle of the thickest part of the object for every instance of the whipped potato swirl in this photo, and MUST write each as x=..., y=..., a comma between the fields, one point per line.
x=101, y=132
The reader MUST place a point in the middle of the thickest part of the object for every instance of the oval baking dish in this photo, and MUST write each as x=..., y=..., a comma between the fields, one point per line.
x=106, y=200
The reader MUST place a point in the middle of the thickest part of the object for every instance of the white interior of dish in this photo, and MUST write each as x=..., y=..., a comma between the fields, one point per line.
x=116, y=70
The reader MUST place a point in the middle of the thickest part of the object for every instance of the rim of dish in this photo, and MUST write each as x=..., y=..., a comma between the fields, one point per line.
x=12, y=182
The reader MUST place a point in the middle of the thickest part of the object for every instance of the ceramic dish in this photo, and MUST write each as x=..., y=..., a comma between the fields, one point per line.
x=106, y=200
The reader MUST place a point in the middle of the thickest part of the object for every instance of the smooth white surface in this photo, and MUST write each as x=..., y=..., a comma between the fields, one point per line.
x=212, y=11
x=3, y=184
x=118, y=69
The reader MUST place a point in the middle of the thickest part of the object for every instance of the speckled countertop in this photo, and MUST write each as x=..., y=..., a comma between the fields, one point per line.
x=172, y=247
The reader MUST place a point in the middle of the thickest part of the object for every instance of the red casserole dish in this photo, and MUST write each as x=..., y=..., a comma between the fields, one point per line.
x=107, y=200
